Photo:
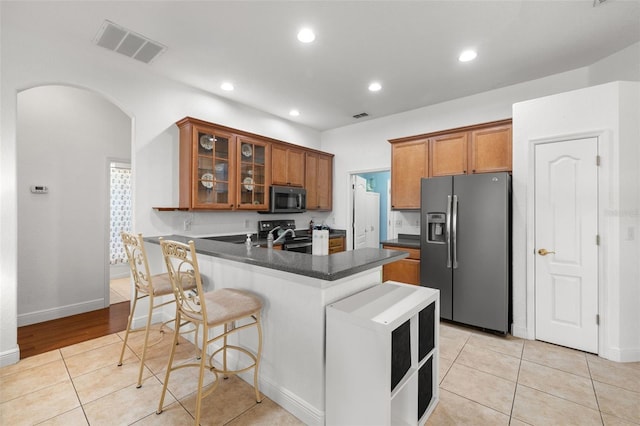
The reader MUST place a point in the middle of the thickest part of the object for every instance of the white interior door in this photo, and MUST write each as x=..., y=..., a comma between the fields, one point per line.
x=566, y=258
x=372, y=226
x=359, y=212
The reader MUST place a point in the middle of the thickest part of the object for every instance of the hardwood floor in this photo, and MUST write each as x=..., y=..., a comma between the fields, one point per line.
x=46, y=336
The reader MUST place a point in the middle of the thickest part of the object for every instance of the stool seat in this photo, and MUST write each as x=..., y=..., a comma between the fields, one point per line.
x=226, y=305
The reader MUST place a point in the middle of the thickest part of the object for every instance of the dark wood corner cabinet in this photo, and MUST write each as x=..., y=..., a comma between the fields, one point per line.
x=229, y=169
x=481, y=148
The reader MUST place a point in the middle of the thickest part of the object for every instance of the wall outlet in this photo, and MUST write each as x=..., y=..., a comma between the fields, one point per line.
x=398, y=222
x=247, y=224
x=186, y=226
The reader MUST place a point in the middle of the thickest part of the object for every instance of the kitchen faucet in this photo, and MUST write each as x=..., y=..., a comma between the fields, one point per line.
x=284, y=234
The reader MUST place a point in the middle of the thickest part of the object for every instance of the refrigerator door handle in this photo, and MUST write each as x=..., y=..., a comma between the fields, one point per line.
x=454, y=231
x=448, y=231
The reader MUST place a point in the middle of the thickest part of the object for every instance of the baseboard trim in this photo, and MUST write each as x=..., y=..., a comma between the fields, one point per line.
x=10, y=357
x=288, y=400
x=521, y=332
x=59, y=312
x=622, y=355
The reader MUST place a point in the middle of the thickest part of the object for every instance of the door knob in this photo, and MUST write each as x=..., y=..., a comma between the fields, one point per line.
x=544, y=252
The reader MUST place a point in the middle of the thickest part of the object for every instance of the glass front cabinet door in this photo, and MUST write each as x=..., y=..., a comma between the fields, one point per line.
x=214, y=181
x=253, y=158
x=221, y=169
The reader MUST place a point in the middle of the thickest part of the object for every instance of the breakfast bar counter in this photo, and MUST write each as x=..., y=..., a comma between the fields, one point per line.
x=328, y=268
x=295, y=289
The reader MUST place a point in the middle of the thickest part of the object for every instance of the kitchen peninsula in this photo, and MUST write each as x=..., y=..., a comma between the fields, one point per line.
x=295, y=289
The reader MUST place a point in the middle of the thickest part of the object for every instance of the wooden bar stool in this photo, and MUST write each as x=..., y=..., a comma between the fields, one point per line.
x=146, y=285
x=221, y=313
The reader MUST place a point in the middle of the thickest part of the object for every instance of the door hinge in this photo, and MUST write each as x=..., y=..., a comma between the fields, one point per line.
x=597, y=160
x=597, y=240
x=597, y=319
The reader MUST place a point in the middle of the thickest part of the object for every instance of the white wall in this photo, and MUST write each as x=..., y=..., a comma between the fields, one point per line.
x=66, y=138
x=365, y=146
x=153, y=102
x=609, y=112
x=623, y=66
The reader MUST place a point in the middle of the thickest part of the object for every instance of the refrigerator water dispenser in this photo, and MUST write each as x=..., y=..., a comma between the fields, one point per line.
x=436, y=228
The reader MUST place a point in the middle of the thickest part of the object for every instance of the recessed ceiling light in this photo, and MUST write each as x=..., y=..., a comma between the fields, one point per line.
x=375, y=86
x=294, y=113
x=306, y=35
x=467, y=55
x=226, y=86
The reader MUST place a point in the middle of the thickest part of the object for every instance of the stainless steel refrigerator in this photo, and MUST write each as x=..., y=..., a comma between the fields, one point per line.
x=466, y=247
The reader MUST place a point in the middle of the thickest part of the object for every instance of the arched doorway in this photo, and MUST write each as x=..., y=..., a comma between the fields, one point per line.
x=66, y=139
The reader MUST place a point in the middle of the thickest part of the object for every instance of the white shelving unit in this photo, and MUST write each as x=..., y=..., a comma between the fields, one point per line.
x=382, y=356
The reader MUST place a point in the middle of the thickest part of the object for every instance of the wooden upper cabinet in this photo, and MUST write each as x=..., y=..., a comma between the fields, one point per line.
x=490, y=150
x=319, y=181
x=409, y=164
x=207, y=167
x=448, y=154
x=253, y=163
x=481, y=148
x=287, y=165
x=221, y=169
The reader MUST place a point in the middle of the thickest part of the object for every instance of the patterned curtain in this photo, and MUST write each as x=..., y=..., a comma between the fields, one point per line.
x=120, y=210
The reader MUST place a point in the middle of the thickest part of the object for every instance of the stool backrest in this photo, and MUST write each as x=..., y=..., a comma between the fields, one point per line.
x=182, y=266
x=137, y=256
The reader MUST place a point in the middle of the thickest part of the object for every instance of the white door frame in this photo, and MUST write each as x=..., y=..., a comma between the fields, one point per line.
x=605, y=151
x=350, y=174
x=107, y=226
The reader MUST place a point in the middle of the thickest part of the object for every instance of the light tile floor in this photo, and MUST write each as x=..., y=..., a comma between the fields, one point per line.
x=120, y=290
x=484, y=380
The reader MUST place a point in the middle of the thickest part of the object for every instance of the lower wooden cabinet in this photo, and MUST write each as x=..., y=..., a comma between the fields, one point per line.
x=406, y=270
x=336, y=244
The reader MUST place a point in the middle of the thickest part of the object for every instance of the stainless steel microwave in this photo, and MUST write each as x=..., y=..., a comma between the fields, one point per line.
x=287, y=199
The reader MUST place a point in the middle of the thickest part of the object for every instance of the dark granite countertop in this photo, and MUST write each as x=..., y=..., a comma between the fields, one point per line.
x=404, y=240
x=330, y=268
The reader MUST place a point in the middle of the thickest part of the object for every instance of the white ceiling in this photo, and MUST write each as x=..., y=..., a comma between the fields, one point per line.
x=411, y=47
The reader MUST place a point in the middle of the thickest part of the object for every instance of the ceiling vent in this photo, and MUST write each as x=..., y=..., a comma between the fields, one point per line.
x=128, y=43
x=361, y=115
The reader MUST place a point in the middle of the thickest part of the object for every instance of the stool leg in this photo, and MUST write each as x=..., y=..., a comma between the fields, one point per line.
x=169, y=364
x=258, y=356
x=203, y=357
x=126, y=335
x=146, y=340
x=224, y=351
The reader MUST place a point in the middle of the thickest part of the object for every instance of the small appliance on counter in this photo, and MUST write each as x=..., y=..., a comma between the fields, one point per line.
x=320, y=242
